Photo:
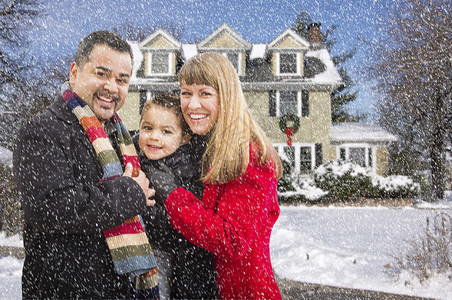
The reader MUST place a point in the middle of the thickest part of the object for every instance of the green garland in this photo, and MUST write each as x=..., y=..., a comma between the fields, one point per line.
x=289, y=117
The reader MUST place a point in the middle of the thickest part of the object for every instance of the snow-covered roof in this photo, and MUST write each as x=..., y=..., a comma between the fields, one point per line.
x=353, y=132
x=330, y=74
x=189, y=50
x=6, y=156
x=137, y=58
x=258, y=51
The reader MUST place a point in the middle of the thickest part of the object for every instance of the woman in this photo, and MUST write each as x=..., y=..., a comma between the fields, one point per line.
x=240, y=167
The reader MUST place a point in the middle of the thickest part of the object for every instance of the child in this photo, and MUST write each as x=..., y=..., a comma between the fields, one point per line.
x=187, y=271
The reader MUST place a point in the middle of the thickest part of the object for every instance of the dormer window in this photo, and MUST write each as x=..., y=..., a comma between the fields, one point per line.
x=235, y=59
x=288, y=63
x=159, y=63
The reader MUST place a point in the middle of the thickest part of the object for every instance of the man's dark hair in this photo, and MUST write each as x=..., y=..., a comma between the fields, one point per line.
x=101, y=37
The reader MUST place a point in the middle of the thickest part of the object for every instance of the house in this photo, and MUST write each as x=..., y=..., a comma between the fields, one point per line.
x=287, y=84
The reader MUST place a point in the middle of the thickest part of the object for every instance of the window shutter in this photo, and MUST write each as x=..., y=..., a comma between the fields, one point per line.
x=304, y=103
x=318, y=155
x=342, y=154
x=272, y=103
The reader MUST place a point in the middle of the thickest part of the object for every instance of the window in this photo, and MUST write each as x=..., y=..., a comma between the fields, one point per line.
x=159, y=63
x=290, y=155
x=283, y=102
x=234, y=58
x=362, y=155
x=358, y=156
x=301, y=157
x=342, y=154
x=288, y=102
x=305, y=159
x=288, y=64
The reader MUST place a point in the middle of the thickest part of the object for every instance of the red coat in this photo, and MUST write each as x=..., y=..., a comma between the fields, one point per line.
x=234, y=222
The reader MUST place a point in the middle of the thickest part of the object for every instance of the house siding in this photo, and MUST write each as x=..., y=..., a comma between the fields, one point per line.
x=223, y=41
x=382, y=160
x=130, y=111
x=159, y=42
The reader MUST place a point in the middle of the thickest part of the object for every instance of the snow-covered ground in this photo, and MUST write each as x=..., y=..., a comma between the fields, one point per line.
x=352, y=247
x=338, y=246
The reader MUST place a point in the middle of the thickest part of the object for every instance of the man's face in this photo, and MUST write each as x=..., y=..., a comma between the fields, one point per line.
x=103, y=81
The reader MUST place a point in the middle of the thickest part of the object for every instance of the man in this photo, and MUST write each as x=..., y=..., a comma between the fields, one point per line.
x=67, y=201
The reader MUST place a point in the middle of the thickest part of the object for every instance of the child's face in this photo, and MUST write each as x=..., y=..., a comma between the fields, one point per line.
x=160, y=132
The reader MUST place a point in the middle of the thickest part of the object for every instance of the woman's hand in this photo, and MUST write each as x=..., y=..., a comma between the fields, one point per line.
x=164, y=182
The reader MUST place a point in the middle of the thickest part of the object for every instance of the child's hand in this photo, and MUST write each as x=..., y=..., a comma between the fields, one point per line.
x=143, y=181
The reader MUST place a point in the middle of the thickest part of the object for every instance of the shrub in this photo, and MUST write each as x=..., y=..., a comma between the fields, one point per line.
x=285, y=182
x=342, y=181
x=396, y=186
x=304, y=190
x=296, y=188
x=429, y=254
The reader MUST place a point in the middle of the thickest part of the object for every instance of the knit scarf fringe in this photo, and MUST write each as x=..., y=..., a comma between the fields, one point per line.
x=128, y=244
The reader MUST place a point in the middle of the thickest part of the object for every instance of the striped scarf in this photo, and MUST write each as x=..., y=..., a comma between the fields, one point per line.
x=128, y=244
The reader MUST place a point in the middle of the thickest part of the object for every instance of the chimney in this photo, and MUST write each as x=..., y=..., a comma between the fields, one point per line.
x=314, y=32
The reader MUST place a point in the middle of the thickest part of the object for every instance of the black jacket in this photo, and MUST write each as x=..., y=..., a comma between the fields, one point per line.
x=66, y=209
x=194, y=275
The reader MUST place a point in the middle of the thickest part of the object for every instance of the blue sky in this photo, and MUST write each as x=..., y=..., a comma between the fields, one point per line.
x=66, y=22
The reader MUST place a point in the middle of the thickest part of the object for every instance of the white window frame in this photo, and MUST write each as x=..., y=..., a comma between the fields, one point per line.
x=239, y=62
x=278, y=103
x=278, y=64
x=366, y=153
x=170, y=63
x=297, y=146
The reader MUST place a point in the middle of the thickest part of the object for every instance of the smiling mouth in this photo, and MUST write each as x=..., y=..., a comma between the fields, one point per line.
x=197, y=117
x=107, y=99
x=154, y=148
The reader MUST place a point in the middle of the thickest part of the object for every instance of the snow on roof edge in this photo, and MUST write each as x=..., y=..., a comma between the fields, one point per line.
x=360, y=132
x=137, y=58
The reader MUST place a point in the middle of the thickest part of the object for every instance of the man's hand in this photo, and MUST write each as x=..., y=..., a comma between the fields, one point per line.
x=142, y=180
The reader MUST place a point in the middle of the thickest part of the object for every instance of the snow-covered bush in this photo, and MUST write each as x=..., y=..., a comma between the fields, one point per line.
x=396, y=186
x=303, y=189
x=296, y=188
x=346, y=181
x=285, y=182
x=342, y=181
x=10, y=213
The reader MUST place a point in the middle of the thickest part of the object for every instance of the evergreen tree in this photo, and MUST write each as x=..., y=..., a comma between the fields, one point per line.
x=343, y=95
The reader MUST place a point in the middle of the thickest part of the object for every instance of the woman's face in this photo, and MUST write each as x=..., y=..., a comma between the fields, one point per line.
x=200, y=107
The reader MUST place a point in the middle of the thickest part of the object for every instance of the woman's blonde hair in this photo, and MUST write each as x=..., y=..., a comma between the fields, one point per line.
x=227, y=154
